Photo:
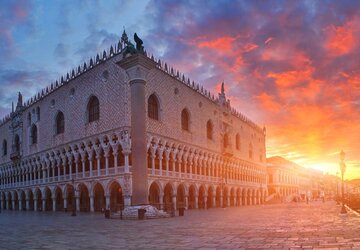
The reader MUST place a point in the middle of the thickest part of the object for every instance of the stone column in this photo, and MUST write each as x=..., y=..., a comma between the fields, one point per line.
x=115, y=148
x=174, y=201
x=43, y=205
x=106, y=155
x=126, y=157
x=205, y=202
x=13, y=204
x=27, y=204
x=127, y=200
x=77, y=197
x=214, y=200
x=44, y=175
x=20, y=204
x=65, y=204
x=53, y=172
x=137, y=67
x=92, y=208
x=186, y=202
x=161, y=201
x=160, y=161
x=98, y=164
x=196, y=201
x=54, y=204
x=107, y=201
x=35, y=205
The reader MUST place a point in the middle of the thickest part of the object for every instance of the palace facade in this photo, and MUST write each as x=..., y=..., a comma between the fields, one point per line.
x=125, y=129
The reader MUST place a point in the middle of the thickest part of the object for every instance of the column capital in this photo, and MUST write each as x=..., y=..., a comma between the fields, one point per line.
x=137, y=67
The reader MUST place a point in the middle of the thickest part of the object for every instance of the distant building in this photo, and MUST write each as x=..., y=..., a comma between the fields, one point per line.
x=288, y=180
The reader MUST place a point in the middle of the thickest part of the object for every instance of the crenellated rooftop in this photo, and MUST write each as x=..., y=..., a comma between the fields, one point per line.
x=118, y=49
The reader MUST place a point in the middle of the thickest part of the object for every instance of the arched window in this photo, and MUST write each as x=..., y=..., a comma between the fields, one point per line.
x=38, y=113
x=209, y=130
x=238, y=143
x=60, y=123
x=93, y=109
x=153, y=107
x=250, y=151
x=34, y=134
x=17, y=143
x=185, y=120
x=4, y=147
x=226, y=140
x=29, y=119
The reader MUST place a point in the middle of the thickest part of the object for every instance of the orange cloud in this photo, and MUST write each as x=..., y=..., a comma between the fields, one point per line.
x=223, y=44
x=268, y=102
x=340, y=39
x=291, y=78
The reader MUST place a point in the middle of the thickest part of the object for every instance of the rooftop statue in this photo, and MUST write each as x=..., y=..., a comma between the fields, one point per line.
x=139, y=43
x=130, y=48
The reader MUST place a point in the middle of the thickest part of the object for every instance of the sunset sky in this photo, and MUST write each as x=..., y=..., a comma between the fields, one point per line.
x=293, y=66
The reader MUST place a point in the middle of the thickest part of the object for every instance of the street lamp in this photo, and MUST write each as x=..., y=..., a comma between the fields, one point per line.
x=73, y=200
x=337, y=188
x=342, y=169
x=223, y=183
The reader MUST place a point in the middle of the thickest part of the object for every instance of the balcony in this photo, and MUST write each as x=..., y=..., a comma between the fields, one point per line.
x=15, y=156
x=227, y=151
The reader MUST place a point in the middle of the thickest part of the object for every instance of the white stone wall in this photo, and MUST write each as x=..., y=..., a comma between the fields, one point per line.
x=114, y=97
x=201, y=110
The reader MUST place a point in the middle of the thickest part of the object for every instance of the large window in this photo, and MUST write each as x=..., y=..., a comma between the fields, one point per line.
x=93, y=109
x=185, y=120
x=34, y=134
x=4, y=147
x=153, y=107
x=209, y=130
x=17, y=143
x=238, y=142
x=250, y=151
x=226, y=140
x=60, y=123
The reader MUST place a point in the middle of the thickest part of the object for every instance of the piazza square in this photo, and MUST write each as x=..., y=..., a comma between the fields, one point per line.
x=176, y=125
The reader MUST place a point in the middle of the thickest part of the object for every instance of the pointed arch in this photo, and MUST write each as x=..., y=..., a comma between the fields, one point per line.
x=209, y=129
x=33, y=134
x=250, y=151
x=93, y=109
x=185, y=119
x=4, y=147
x=17, y=143
x=153, y=107
x=238, y=142
x=59, y=123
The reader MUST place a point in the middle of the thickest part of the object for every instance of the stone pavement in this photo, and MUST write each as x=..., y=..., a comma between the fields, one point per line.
x=297, y=225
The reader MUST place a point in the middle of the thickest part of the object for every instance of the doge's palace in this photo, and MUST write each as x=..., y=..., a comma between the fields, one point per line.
x=125, y=129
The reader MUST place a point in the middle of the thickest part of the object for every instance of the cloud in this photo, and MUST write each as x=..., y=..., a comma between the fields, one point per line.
x=14, y=14
x=13, y=81
x=291, y=65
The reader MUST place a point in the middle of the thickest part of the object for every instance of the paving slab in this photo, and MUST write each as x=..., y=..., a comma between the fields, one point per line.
x=316, y=225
